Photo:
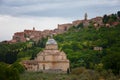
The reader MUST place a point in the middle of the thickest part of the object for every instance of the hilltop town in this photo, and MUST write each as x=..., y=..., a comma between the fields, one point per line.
x=36, y=35
x=84, y=49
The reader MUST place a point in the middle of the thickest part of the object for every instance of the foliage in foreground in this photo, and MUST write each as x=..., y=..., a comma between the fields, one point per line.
x=7, y=72
x=76, y=74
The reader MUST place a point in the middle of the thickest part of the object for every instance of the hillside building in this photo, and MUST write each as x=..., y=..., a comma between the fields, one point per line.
x=49, y=60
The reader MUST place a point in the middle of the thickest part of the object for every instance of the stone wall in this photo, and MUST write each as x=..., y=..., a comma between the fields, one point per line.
x=19, y=37
x=97, y=20
x=77, y=22
x=64, y=27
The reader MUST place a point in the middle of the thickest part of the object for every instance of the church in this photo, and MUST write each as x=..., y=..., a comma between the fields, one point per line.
x=49, y=60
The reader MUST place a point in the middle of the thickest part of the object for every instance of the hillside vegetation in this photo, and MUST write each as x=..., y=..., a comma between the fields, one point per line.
x=78, y=43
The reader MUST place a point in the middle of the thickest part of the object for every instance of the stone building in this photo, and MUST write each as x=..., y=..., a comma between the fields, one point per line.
x=77, y=22
x=64, y=27
x=97, y=48
x=97, y=20
x=19, y=36
x=33, y=35
x=49, y=60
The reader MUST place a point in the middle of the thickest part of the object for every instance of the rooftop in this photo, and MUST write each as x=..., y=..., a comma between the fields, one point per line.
x=51, y=41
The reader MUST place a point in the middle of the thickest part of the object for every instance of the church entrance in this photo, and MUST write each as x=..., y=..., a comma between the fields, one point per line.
x=43, y=66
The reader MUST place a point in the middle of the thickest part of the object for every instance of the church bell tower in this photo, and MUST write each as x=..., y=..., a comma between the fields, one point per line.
x=86, y=16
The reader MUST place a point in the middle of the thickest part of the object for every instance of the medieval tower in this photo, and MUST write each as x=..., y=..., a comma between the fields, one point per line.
x=85, y=17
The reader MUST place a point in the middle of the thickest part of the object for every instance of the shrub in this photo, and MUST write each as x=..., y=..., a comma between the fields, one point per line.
x=8, y=73
x=78, y=71
x=19, y=67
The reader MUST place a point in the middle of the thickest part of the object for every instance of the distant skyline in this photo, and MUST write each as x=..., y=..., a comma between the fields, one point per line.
x=17, y=15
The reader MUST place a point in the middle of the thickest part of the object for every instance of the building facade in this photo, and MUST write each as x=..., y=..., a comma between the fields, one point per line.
x=50, y=59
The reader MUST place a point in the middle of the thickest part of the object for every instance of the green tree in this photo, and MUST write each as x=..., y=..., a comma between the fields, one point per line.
x=19, y=67
x=112, y=61
x=105, y=18
x=118, y=14
x=8, y=73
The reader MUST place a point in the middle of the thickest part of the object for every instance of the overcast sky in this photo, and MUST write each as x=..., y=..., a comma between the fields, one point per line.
x=17, y=15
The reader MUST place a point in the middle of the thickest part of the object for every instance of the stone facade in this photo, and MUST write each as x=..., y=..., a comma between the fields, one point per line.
x=19, y=36
x=97, y=20
x=33, y=35
x=50, y=59
x=98, y=48
x=77, y=22
x=86, y=23
x=64, y=27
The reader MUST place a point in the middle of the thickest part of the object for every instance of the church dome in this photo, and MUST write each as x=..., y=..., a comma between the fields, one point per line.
x=51, y=41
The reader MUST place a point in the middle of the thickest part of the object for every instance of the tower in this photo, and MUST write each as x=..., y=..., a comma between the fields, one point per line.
x=86, y=16
x=33, y=28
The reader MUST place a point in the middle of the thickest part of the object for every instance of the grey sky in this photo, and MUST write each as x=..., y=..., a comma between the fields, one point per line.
x=17, y=15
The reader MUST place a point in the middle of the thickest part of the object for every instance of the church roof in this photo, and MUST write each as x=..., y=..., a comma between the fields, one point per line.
x=51, y=41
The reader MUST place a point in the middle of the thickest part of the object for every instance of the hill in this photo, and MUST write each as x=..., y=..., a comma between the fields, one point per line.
x=94, y=54
x=94, y=47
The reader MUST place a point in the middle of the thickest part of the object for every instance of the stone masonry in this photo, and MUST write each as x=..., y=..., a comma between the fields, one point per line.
x=49, y=60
